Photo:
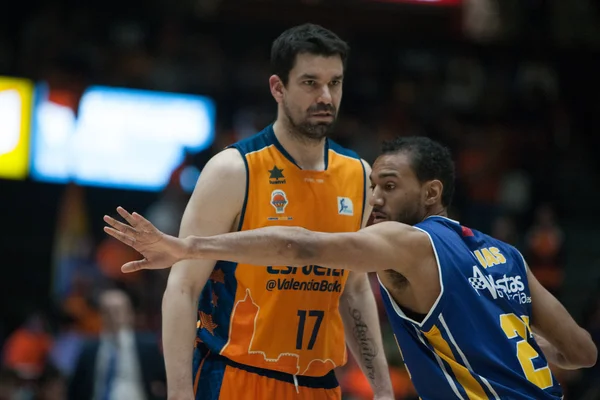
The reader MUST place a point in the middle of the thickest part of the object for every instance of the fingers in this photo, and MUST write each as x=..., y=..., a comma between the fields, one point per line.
x=140, y=218
x=135, y=219
x=133, y=266
x=126, y=216
x=128, y=240
x=119, y=225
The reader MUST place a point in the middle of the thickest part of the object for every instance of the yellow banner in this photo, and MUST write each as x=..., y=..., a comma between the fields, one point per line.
x=16, y=97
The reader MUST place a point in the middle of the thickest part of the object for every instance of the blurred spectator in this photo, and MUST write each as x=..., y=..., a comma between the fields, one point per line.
x=77, y=305
x=504, y=228
x=545, y=249
x=26, y=350
x=479, y=169
x=9, y=382
x=51, y=386
x=67, y=345
x=482, y=21
x=111, y=255
x=538, y=85
x=122, y=363
x=464, y=85
x=515, y=192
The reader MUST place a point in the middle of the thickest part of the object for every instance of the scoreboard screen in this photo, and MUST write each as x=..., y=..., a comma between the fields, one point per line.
x=117, y=137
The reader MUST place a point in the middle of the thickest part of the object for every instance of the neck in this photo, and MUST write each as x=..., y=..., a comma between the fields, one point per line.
x=307, y=153
x=440, y=211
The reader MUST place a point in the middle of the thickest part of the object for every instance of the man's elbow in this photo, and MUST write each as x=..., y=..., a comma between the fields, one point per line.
x=586, y=354
x=592, y=358
x=589, y=356
x=178, y=290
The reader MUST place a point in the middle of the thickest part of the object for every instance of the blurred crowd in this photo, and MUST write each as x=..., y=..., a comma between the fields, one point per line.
x=507, y=115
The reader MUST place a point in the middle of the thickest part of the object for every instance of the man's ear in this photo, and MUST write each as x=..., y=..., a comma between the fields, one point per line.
x=277, y=87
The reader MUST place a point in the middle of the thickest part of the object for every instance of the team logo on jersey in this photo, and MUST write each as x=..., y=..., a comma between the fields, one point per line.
x=345, y=206
x=510, y=287
x=276, y=176
x=279, y=201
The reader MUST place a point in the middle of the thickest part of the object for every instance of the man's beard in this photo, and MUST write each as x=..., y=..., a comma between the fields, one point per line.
x=411, y=216
x=313, y=131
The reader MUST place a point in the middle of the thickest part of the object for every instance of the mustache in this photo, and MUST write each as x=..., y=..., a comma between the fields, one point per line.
x=378, y=210
x=322, y=108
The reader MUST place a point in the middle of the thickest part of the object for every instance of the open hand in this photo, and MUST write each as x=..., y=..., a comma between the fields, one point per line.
x=159, y=250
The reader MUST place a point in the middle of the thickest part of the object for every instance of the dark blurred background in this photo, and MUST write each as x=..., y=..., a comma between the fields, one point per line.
x=511, y=86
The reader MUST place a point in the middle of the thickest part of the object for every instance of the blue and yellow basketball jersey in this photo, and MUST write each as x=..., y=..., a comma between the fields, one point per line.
x=475, y=343
x=278, y=317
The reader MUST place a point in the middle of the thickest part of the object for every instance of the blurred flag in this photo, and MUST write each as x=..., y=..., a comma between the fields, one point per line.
x=72, y=240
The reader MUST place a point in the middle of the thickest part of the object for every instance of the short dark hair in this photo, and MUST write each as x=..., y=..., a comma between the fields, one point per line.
x=306, y=38
x=429, y=160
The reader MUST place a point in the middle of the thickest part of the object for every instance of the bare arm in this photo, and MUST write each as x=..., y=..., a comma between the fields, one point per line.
x=363, y=333
x=563, y=342
x=387, y=245
x=361, y=323
x=212, y=209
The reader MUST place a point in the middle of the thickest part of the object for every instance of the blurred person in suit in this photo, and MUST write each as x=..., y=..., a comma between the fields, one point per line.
x=121, y=363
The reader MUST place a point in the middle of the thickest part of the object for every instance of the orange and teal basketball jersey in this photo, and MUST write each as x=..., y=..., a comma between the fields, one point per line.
x=279, y=317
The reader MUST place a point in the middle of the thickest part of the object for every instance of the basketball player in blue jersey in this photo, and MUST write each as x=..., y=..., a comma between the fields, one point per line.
x=471, y=320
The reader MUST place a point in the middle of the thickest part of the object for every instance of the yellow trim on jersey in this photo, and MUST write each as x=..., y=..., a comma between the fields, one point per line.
x=402, y=355
x=463, y=376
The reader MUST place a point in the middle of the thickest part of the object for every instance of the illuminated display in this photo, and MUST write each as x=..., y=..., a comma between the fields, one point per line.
x=15, y=117
x=120, y=138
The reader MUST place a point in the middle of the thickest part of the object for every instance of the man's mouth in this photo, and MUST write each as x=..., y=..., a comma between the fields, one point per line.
x=323, y=115
x=378, y=216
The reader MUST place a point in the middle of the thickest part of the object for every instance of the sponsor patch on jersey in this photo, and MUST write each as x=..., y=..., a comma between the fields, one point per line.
x=345, y=206
x=510, y=287
x=276, y=176
x=279, y=201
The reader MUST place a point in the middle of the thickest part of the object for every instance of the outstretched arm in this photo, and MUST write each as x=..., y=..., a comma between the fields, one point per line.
x=387, y=245
x=378, y=247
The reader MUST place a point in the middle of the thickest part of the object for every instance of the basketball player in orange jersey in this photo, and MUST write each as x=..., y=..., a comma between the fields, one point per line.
x=277, y=332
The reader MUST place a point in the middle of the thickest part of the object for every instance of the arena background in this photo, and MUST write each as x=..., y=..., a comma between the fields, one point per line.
x=510, y=86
